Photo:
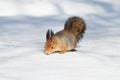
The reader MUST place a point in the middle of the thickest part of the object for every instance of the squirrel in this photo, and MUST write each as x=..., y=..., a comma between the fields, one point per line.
x=66, y=39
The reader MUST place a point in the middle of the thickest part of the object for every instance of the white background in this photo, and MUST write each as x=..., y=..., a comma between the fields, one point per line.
x=23, y=26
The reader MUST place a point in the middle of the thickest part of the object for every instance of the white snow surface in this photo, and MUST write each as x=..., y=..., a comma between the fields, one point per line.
x=23, y=26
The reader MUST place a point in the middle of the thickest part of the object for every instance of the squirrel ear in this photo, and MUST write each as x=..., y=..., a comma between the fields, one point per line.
x=48, y=34
x=52, y=33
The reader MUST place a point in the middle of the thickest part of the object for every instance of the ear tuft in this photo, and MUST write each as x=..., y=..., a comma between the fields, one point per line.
x=48, y=34
x=52, y=33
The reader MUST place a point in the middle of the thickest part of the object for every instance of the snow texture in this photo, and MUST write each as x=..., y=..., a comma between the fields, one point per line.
x=23, y=26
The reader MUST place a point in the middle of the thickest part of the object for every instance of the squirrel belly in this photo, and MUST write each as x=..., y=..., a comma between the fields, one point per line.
x=65, y=40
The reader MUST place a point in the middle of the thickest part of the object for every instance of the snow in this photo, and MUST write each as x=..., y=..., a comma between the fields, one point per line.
x=23, y=26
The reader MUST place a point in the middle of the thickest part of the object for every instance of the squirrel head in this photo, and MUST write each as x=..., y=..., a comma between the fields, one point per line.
x=51, y=43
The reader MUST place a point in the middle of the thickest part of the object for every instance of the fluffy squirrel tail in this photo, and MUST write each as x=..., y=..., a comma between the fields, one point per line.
x=77, y=26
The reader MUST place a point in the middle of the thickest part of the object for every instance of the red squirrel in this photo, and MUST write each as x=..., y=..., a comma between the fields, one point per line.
x=67, y=39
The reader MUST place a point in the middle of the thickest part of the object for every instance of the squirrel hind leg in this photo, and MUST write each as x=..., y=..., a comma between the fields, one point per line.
x=73, y=50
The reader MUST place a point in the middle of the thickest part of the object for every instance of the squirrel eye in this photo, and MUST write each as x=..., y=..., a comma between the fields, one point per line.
x=51, y=47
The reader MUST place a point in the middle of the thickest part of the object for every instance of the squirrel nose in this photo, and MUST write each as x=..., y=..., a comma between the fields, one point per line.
x=47, y=53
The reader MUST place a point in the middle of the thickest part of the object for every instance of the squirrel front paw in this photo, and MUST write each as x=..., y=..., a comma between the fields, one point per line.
x=62, y=51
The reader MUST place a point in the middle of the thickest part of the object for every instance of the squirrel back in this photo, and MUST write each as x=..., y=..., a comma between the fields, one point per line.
x=77, y=26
